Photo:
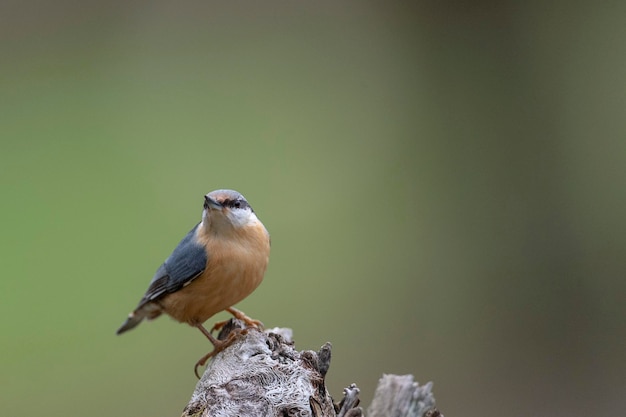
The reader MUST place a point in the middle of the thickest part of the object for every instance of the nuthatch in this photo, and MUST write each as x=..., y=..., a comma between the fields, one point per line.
x=219, y=263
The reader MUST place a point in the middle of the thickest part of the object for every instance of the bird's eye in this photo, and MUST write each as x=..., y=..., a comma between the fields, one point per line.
x=237, y=204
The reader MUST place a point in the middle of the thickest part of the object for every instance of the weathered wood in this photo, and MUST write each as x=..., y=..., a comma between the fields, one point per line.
x=261, y=374
x=400, y=396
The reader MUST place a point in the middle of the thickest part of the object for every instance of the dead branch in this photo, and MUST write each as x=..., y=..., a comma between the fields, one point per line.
x=261, y=374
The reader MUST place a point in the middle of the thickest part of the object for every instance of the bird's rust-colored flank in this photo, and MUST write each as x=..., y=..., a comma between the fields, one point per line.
x=235, y=268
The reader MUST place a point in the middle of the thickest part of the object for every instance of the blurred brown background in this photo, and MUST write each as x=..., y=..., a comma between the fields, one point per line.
x=443, y=182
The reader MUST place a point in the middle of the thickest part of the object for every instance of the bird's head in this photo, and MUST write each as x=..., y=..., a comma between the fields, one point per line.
x=224, y=209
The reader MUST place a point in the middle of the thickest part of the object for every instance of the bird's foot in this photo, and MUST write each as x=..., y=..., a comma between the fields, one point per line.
x=238, y=314
x=250, y=322
x=219, y=345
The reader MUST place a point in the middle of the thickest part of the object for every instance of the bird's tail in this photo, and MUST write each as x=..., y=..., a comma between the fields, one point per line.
x=132, y=321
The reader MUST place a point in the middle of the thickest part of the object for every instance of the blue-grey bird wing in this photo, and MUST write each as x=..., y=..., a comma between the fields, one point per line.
x=185, y=264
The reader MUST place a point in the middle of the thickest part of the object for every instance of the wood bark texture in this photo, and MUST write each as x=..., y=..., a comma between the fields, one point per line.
x=261, y=374
x=400, y=396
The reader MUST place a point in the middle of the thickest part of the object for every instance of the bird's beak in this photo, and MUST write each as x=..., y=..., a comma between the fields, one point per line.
x=209, y=203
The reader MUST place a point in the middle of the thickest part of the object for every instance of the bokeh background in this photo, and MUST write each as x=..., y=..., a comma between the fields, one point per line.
x=444, y=183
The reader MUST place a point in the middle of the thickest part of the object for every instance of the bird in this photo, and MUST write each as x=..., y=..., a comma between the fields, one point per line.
x=218, y=263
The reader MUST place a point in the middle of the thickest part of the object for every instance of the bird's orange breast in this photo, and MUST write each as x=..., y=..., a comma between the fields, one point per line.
x=235, y=267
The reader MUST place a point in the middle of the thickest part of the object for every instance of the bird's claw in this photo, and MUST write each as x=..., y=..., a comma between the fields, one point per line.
x=238, y=314
x=218, y=347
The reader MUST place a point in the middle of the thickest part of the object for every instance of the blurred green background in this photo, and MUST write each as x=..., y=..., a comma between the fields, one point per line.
x=444, y=183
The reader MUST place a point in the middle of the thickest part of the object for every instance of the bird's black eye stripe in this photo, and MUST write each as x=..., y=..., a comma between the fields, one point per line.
x=235, y=203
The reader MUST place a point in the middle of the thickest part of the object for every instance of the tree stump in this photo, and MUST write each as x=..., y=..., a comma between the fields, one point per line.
x=261, y=374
